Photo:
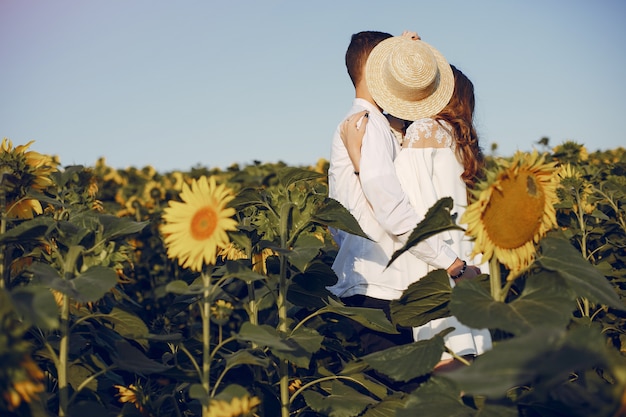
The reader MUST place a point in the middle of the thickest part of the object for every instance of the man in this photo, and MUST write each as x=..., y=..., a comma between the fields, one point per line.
x=375, y=198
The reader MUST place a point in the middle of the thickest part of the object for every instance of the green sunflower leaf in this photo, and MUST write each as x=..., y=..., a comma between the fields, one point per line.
x=92, y=284
x=291, y=175
x=436, y=397
x=29, y=230
x=263, y=335
x=438, y=219
x=542, y=302
x=389, y=406
x=422, y=355
x=342, y=402
x=545, y=356
x=304, y=251
x=116, y=227
x=247, y=197
x=369, y=317
x=308, y=289
x=580, y=275
x=331, y=213
x=128, y=325
x=424, y=300
x=36, y=305
x=89, y=286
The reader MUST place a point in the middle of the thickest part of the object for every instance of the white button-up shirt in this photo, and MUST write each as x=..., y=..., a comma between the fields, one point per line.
x=376, y=199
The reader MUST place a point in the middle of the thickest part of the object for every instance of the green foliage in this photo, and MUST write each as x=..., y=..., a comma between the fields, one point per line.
x=89, y=294
x=437, y=219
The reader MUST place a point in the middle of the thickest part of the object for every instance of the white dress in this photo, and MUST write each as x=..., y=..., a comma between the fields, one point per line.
x=429, y=170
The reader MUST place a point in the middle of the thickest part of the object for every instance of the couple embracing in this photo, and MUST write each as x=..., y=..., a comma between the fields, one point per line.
x=408, y=141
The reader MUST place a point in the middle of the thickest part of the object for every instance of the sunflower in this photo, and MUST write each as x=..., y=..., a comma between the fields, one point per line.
x=321, y=167
x=153, y=191
x=221, y=311
x=237, y=407
x=174, y=181
x=232, y=252
x=196, y=228
x=132, y=207
x=513, y=210
x=570, y=151
x=259, y=260
x=24, y=209
x=26, y=389
x=109, y=174
x=574, y=190
x=133, y=394
x=24, y=170
x=295, y=385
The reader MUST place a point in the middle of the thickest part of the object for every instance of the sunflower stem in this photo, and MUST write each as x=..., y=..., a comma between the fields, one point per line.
x=495, y=279
x=252, y=305
x=63, y=357
x=69, y=267
x=328, y=378
x=206, y=339
x=580, y=214
x=285, y=221
x=3, y=228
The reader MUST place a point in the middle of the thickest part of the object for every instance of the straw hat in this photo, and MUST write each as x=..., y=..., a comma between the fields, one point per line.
x=409, y=79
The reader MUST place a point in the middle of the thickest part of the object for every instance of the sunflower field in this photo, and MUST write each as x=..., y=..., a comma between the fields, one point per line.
x=204, y=293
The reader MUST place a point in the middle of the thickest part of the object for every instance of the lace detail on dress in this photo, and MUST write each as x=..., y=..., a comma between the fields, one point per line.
x=428, y=133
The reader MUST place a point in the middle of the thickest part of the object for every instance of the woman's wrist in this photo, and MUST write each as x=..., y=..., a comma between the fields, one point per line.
x=457, y=270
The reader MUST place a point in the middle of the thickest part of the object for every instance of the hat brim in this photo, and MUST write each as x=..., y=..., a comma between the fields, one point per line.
x=396, y=106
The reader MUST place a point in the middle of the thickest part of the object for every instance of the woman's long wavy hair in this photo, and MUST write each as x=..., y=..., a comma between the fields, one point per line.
x=459, y=113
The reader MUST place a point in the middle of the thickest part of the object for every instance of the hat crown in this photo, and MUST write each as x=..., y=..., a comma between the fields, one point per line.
x=409, y=79
x=411, y=71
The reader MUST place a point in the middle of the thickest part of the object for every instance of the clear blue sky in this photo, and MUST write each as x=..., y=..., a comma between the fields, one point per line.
x=175, y=84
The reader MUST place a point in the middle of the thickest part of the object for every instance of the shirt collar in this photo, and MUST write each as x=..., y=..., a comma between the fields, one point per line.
x=361, y=102
x=364, y=103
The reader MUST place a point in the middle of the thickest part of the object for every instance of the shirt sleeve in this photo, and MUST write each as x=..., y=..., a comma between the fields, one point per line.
x=428, y=135
x=389, y=202
x=390, y=205
x=434, y=251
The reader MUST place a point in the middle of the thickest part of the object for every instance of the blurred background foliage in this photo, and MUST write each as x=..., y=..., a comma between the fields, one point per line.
x=95, y=319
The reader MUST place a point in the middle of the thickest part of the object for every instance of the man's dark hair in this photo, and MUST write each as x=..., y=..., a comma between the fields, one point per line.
x=359, y=49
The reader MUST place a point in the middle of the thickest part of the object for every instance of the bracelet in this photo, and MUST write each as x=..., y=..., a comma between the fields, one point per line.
x=356, y=173
x=461, y=272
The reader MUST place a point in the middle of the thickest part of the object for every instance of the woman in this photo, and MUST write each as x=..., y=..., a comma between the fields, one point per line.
x=440, y=157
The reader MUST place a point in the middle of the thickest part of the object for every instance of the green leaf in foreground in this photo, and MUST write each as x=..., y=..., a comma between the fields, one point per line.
x=424, y=300
x=263, y=335
x=331, y=213
x=542, y=302
x=291, y=175
x=437, y=397
x=308, y=288
x=342, y=402
x=584, y=279
x=438, y=219
x=387, y=407
x=422, y=357
x=36, y=305
x=369, y=317
x=92, y=284
x=89, y=286
x=128, y=325
x=544, y=354
x=33, y=229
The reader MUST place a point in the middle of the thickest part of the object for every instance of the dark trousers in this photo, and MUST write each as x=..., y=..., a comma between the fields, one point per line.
x=373, y=341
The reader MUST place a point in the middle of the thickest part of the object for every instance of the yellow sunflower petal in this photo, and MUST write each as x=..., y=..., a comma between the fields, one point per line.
x=196, y=228
x=514, y=210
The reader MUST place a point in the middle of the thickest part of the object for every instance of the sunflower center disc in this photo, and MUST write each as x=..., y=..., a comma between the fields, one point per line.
x=513, y=215
x=203, y=223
